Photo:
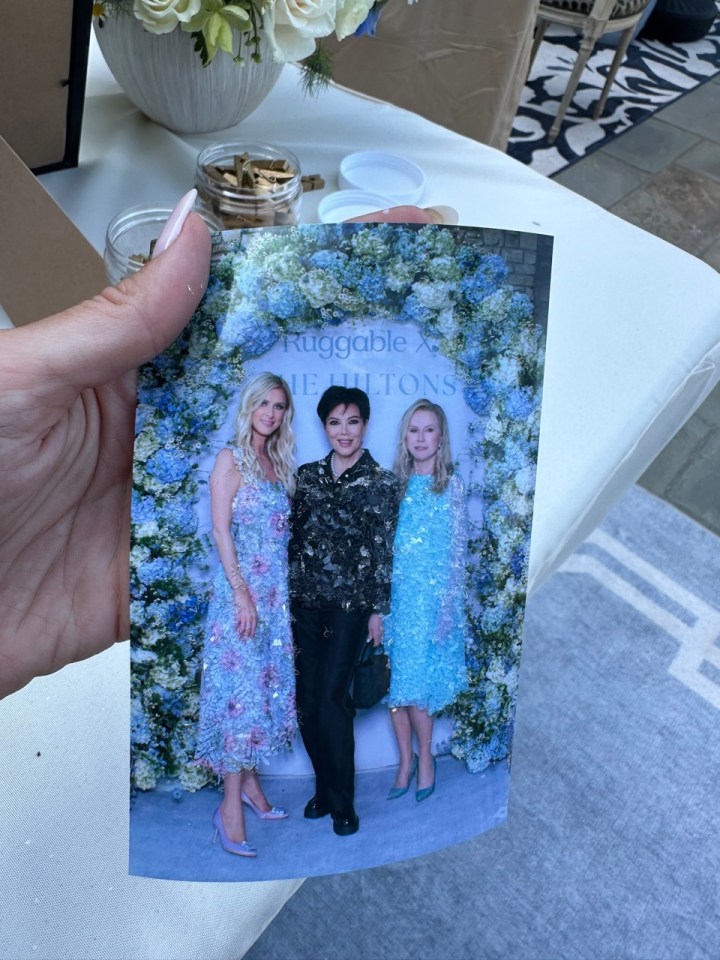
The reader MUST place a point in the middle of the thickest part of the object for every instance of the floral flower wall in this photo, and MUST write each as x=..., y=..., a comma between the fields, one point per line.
x=456, y=290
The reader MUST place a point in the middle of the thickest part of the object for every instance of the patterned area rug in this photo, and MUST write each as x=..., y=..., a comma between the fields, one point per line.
x=653, y=75
x=611, y=847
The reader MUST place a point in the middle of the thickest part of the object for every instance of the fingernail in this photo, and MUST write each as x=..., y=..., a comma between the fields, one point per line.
x=174, y=223
x=443, y=214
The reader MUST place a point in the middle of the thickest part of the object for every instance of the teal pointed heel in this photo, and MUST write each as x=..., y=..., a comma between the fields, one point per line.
x=395, y=792
x=423, y=794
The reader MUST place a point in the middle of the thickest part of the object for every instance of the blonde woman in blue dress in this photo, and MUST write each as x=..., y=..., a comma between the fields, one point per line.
x=426, y=630
x=247, y=698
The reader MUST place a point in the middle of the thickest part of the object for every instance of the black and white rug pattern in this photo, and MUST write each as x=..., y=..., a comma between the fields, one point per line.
x=652, y=76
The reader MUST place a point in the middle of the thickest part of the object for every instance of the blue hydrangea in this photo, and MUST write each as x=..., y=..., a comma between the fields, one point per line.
x=168, y=466
x=490, y=274
x=518, y=563
x=165, y=430
x=520, y=403
x=140, y=730
x=478, y=397
x=415, y=311
x=492, y=701
x=372, y=286
x=521, y=308
x=142, y=413
x=157, y=569
x=143, y=508
x=334, y=261
x=178, y=515
x=283, y=300
x=244, y=329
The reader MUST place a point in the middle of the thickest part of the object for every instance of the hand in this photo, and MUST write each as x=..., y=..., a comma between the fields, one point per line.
x=245, y=612
x=375, y=629
x=67, y=401
x=397, y=215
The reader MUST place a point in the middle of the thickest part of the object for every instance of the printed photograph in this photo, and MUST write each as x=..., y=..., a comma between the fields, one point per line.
x=332, y=507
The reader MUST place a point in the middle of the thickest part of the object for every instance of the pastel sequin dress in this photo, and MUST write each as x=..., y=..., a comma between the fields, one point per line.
x=247, y=698
x=425, y=633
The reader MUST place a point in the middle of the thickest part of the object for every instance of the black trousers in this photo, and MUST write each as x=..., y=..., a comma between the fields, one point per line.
x=327, y=648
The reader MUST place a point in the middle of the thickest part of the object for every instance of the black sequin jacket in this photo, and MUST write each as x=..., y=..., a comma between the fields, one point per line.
x=341, y=536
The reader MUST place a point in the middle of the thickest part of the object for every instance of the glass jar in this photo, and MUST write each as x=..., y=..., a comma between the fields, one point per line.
x=250, y=184
x=131, y=235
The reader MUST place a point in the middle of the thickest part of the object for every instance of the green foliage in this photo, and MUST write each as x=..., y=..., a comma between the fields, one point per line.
x=316, y=71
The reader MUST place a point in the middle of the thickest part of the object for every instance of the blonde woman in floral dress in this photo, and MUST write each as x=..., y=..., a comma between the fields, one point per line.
x=247, y=700
x=426, y=631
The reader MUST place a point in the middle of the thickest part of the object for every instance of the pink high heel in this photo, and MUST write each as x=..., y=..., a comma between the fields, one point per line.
x=274, y=813
x=242, y=848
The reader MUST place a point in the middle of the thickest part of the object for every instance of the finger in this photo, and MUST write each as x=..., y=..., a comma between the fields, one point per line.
x=404, y=214
x=98, y=340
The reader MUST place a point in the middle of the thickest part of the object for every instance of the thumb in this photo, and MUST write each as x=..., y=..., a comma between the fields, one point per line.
x=403, y=214
x=99, y=340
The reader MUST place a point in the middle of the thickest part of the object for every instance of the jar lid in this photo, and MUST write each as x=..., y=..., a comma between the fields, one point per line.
x=345, y=204
x=385, y=173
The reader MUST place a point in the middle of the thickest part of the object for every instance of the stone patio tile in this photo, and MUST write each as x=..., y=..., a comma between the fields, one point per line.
x=652, y=145
x=709, y=410
x=679, y=205
x=669, y=465
x=696, y=112
x=703, y=158
x=602, y=179
x=696, y=490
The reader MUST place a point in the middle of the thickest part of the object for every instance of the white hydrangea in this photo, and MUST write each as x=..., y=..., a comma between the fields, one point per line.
x=144, y=775
x=193, y=777
x=168, y=675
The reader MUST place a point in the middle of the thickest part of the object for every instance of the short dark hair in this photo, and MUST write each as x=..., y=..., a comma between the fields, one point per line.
x=338, y=396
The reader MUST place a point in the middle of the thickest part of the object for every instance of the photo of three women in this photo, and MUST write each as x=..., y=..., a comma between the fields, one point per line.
x=314, y=564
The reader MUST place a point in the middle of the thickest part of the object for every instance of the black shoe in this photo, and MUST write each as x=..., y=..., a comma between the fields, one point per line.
x=345, y=826
x=315, y=809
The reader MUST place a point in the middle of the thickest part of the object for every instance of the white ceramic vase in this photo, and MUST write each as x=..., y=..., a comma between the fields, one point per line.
x=164, y=77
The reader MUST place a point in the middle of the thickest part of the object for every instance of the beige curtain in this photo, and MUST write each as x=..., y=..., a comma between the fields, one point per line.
x=460, y=63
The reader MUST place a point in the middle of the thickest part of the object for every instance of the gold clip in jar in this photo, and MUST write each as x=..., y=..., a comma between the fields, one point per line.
x=250, y=184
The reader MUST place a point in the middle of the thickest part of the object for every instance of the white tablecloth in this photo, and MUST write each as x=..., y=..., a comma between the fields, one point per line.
x=633, y=348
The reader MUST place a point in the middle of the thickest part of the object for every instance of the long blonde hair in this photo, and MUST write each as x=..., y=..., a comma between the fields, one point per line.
x=281, y=444
x=443, y=468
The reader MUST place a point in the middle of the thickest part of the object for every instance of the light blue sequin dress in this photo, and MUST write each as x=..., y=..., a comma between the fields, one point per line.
x=426, y=630
x=247, y=698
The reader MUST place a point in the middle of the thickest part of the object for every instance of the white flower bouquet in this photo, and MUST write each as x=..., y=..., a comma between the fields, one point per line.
x=292, y=28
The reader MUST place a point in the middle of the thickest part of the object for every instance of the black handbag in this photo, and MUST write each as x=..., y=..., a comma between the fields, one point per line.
x=372, y=677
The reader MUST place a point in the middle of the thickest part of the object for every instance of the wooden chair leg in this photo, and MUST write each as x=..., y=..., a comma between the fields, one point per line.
x=620, y=52
x=540, y=28
x=586, y=48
